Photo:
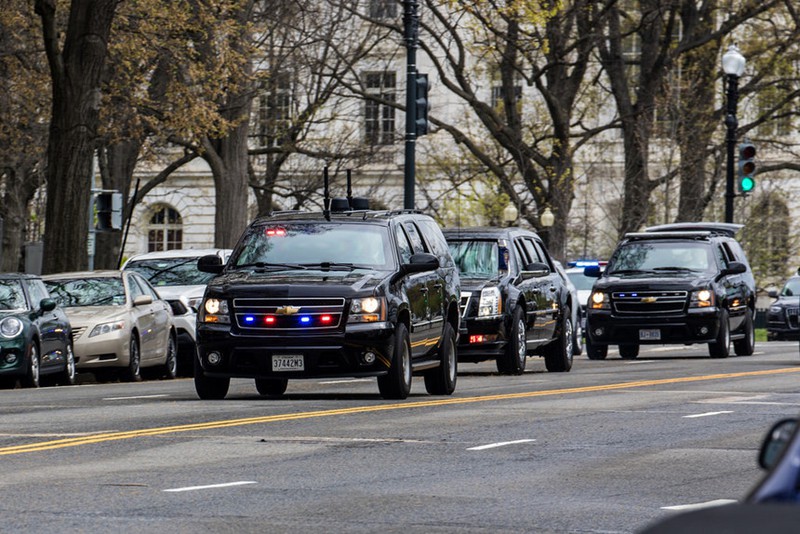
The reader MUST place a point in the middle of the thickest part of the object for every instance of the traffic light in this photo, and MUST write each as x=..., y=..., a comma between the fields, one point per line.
x=747, y=167
x=108, y=205
x=422, y=104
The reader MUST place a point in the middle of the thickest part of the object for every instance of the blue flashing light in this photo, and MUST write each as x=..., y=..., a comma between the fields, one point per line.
x=305, y=319
x=584, y=263
x=249, y=319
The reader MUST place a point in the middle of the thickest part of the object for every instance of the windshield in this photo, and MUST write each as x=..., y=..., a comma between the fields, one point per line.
x=170, y=271
x=11, y=296
x=105, y=291
x=581, y=281
x=312, y=244
x=479, y=258
x=792, y=288
x=661, y=257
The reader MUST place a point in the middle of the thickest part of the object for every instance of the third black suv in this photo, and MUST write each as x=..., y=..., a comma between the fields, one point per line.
x=513, y=301
x=679, y=283
x=352, y=293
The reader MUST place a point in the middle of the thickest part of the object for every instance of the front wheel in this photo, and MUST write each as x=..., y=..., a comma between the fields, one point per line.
x=171, y=361
x=722, y=346
x=396, y=384
x=208, y=387
x=68, y=376
x=31, y=378
x=558, y=354
x=442, y=379
x=595, y=352
x=747, y=345
x=515, y=355
x=271, y=387
x=133, y=373
x=629, y=352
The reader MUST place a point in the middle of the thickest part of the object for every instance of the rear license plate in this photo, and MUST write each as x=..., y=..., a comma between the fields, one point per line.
x=649, y=335
x=288, y=362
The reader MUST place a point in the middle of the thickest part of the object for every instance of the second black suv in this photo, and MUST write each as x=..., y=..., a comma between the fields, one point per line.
x=513, y=301
x=343, y=294
x=675, y=283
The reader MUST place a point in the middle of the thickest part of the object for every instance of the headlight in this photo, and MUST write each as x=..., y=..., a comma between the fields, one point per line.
x=367, y=310
x=10, y=327
x=774, y=309
x=491, y=302
x=599, y=301
x=215, y=311
x=107, y=328
x=702, y=298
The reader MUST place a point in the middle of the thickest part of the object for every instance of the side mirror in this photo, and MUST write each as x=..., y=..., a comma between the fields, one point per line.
x=592, y=271
x=210, y=264
x=734, y=267
x=47, y=305
x=773, y=293
x=419, y=263
x=141, y=300
x=534, y=270
x=775, y=442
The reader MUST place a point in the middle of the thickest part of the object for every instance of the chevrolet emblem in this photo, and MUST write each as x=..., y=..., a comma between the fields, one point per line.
x=287, y=310
x=649, y=300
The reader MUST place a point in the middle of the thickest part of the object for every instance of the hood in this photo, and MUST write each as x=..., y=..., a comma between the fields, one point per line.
x=476, y=283
x=86, y=315
x=296, y=283
x=650, y=283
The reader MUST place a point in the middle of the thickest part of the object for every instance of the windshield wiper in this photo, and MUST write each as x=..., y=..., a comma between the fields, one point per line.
x=267, y=265
x=682, y=269
x=159, y=272
x=328, y=265
x=632, y=271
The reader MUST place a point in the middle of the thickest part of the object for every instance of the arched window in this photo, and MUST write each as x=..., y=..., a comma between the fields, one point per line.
x=165, y=231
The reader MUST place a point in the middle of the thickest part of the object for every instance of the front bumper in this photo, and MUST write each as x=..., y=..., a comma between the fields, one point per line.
x=695, y=326
x=107, y=350
x=12, y=357
x=495, y=333
x=783, y=324
x=324, y=355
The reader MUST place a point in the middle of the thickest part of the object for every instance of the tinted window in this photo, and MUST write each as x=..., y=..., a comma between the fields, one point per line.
x=403, y=245
x=662, y=256
x=522, y=254
x=100, y=291
x=36, y=292
x=416, y=240
x=792, y=288
x=435, y=238
x=362, y=245
x=476, y=257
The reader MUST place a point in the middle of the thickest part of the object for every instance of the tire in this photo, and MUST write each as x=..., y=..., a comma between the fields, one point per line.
x=396, y=384
x=68, y=376
x=595, y=352
x=207, y=387
x=271, y=387
x=171, y=363
x=577, y=337
x=442, y=380
x=629, y=352
x=513, y=359
x=747, y=345
x=558, y=353
x=32, y=377
x=722, y=346
x=133, y=372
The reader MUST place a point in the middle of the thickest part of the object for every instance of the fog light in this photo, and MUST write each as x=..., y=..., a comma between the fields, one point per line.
x=11, y=358
x=703, y=330
x=214, y=358
x=598, y=332
x=368, y=358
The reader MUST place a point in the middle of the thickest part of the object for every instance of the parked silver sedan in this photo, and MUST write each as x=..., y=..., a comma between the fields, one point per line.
x=119, y=323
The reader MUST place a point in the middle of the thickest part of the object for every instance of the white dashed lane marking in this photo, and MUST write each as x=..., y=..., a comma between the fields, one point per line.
x=499, y=444
x=211, y=486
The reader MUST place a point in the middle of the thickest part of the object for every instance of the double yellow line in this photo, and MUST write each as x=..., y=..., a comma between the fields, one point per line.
x=145, y=432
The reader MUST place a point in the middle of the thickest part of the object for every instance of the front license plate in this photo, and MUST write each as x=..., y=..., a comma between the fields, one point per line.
x=648, y=335
x=288, y=362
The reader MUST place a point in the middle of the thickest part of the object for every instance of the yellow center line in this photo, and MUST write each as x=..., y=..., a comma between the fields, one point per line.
x=115, y=436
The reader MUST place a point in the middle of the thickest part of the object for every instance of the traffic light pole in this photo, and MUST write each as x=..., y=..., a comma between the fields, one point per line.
x=730, y=139
x=411, y=28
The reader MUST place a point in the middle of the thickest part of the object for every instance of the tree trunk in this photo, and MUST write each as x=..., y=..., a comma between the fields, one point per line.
x=76, y=72
x=21, y=185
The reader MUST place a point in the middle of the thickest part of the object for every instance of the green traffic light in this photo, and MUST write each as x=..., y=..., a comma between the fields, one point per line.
x=747, y=184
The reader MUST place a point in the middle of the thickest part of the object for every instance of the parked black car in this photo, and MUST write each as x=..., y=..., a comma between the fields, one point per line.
x=678, y=283
x=35, y=335
x=342, y=294
x=513, y=301
x=782, y=317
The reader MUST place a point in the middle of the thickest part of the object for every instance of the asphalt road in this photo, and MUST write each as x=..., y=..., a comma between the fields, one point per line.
x=609, y=447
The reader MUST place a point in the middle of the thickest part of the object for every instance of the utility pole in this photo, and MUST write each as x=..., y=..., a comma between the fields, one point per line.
x=411, y=31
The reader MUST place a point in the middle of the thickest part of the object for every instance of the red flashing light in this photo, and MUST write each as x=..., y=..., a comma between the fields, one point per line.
x=275, y=232
x=269, y=319
x=325, y=319
x=477, y=339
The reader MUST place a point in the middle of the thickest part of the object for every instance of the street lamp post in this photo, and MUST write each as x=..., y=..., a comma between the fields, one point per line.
x=733, y=63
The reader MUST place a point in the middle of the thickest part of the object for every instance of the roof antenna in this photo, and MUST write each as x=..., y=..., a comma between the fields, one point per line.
x=349, y=189
x=326, y=201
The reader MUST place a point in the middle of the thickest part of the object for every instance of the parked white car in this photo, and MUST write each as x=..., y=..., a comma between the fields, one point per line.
x=174, y=275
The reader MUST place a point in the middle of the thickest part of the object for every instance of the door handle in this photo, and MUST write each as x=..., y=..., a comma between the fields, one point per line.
x=437, y=286
x=552, y=289
x=423, y=290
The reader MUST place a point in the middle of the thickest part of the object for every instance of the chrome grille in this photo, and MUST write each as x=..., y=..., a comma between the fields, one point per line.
x=792, y=318
x=285, y=311
x=647, y=302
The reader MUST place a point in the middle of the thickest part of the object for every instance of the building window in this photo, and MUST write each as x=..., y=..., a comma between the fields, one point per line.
x=772, y=104
x=497, y=97
x=383, y=9
x=379, y=113
x=165, y=231
x=274, y=109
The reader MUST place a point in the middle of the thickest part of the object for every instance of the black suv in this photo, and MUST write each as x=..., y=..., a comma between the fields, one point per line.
x=513, y=301
x=675, y=283
x=783, y=317
x=342, y=294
